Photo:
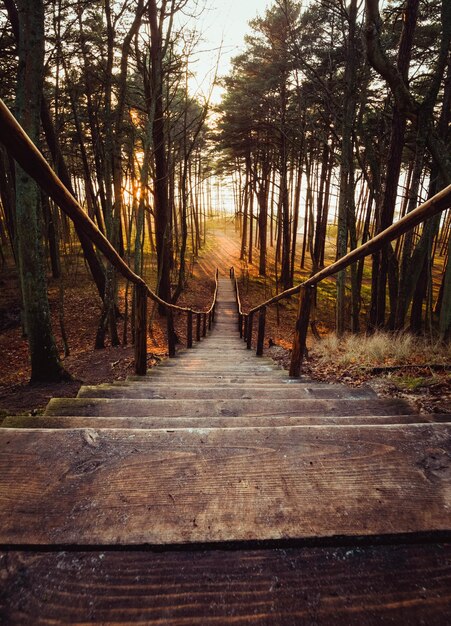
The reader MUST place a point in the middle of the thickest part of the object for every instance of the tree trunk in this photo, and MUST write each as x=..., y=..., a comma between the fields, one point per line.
x=45, y=364
x=346, y=211
x=162, y=217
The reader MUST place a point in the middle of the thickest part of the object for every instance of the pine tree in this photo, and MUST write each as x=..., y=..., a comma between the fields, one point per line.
x=45, y=364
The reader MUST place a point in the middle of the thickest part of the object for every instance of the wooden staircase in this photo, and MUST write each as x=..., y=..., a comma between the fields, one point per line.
x=216, y=490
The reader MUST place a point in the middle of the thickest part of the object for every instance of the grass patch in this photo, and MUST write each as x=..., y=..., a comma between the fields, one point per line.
x=416, y=383
x=379, y=350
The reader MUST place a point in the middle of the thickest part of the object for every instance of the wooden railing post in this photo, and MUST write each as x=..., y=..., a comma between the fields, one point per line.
x=189, y=330
x=141, y=331
x=261, y=331
x=204, y=329
x=198, y=322
x=246, y=322
x=171, y=333
x=209, y=321
x=300, y=334
x=240, y=325
x=249, y=331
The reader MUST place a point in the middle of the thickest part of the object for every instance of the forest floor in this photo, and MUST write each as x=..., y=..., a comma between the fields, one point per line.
x=349, y=362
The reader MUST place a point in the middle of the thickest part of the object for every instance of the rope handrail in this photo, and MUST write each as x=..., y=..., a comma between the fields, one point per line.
x=438, y=203
x=435, y=205
x=27, y=155
x=24, y=151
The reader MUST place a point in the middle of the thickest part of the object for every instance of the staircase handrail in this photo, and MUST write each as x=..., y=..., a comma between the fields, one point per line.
x=27, y=155
x=431, y=207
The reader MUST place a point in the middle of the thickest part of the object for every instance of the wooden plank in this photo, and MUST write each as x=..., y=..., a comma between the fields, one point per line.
x=270, y=373
x=282, y=386
x=276, y=385
x=353, y=585
x=212, y=392
x=203, y=354
x=227, y=368
x=68, y=421
x=211, y=377
x=110, y=407
x=228, y=359
x=61, y=487
x=213, y=380
x=240, y=369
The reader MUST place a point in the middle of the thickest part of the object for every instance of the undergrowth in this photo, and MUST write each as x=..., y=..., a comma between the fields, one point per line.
x=401, y=365
x=379, y=350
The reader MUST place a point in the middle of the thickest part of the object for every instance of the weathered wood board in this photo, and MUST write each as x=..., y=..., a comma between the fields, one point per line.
x=224, y=408
x=157, y=487
x=227, y=380
x=235, y=393
x=170, y=423
x=354, y=585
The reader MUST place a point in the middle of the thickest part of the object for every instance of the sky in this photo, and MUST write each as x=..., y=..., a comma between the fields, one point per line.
x=226, y=21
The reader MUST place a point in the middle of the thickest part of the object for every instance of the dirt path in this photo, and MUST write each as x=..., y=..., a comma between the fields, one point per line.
x=222, y=251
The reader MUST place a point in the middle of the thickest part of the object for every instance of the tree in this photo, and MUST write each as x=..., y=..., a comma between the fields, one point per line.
x=45, y=364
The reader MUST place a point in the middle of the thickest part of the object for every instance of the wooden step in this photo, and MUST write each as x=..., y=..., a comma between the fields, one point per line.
x=171, y=423
x=208, y=370
x=239, y=379
x=212, y=378
x=283, y=383
x=110, y=407
x=122, y=487
x=218, y=339
x=201, y=355
x=229, y=357
x=219, y=381
x=223, y=450
x=230, y=393
x=269, y=374
x=227, y=365
x=351, y=585
x=215, y=343
x=218, y=367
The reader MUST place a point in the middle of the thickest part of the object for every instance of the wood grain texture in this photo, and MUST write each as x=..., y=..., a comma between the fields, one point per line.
x=224, y=379
x=157, y=487
x=233, y=393
x=230, y=355
x=355, y=585
x=224, y=408
x=68, y=421
x=192, y=372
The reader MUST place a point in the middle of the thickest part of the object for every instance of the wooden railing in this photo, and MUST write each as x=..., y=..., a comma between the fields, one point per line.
x=438, y=203
x=204, y=320
x=23, y=150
